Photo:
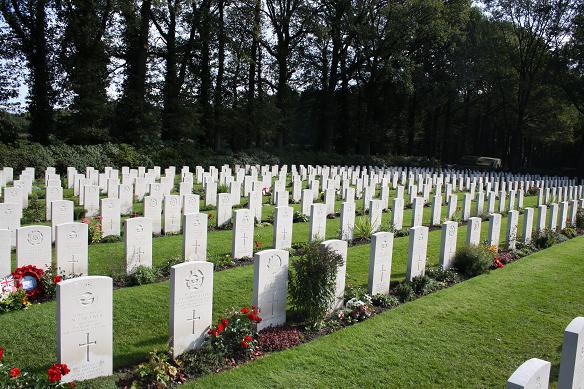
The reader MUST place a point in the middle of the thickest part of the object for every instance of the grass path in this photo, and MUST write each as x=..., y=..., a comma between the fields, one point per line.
x=473, y=335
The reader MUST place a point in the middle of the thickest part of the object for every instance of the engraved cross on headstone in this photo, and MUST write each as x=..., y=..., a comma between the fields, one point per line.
x=244, y=237
x=193, y=319
x=73, y=261
x=138, y=252
x=87, y=344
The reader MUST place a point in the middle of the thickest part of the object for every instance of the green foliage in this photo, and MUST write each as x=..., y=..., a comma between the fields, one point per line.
x=569, y=232
x=384, y=300
x=404, y=292
x=472, y=261
x=222, y=188
x=423, y=285
x=580, y=218
x=235, y=335
x=362, y=230
x=158, y=372
x=202, y=361
x=35, y=213
x=143, y=275
x=545, y=238
x=312, y=282
x=447, y=276
x=13, y=301
x=299, y=217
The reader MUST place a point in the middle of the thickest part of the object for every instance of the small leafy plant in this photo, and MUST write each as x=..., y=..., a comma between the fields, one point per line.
x=235, y=337
x=472, y=261
x=312, y=282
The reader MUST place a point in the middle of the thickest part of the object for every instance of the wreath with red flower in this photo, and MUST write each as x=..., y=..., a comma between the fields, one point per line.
x=29, y=278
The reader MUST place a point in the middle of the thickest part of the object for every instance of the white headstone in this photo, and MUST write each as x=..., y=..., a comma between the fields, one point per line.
x=473, y=231
x=532, y=374
x=572, y=360
x=270, y=286
x=85, y=327
x=52, y=193
x=195, y=237
x=418, y=246
x=191, y=305
x=153, y=211
x=71, y=248
x=375, y=214
x=448, y=243
x=138, y=243
x=347, y=220
x=512, y=225
x=33, y=246
x=527, y=225
x=110, y=217
x=224, y=209
x=494, y=234
x=380, y=260
x=283, y=223
x=397, y=220
x=172, y=214
x=242, y=242
x=10, y=214
x=317, y=222
x=339, y=247
x=417, y=211
x=62, y=211
x=5, y=247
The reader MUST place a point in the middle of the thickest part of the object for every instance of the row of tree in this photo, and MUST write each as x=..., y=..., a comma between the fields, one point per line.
x=439, y=78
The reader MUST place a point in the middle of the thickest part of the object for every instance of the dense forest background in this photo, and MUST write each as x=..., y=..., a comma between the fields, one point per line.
x=431, y=78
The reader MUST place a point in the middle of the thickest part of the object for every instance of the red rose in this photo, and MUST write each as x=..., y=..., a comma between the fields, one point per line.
x=64, y=369
x=245, y=310
x=54, y=374
x=248, y=338
x=244, y=344
x=1, y=353
x=14, y=372
x=57, y=279
x=224, y=322
x=220, y=328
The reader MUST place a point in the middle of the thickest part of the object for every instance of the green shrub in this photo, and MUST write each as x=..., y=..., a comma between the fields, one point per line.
x=423, y=285
x=545, y=238
x=362, y=230
x=472, y=261
x=201, y=361
x=299, y=217
x=164, y=267
x=569, y=232
x=222, y=188
x=35, y=213
x=143, y=275
x=447, y=276
x=580, y=218
x=384, y=300
x=312, y=282
x=404, y=292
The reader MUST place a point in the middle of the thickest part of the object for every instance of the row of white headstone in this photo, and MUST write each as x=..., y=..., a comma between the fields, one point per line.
x=535, y=373
x=33, y=243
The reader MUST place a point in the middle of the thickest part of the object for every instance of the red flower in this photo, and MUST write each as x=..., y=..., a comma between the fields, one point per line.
x=14, y=372
x=258, y=244
x=57, y=279
x=245, y=310
x=54, y=374
x=244, y=344
x=498, y=263
x=248, y=338
x=224, y=322
x=220, y=328
x=1, y=353
x=56, y=371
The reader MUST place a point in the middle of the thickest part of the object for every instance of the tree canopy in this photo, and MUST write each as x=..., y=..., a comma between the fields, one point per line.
x=442, y=79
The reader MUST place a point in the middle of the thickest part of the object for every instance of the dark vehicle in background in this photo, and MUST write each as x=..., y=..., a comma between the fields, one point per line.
x=474, y=162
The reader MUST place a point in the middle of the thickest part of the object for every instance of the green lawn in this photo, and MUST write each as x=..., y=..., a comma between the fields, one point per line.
x=141, y=313
x=473, y=335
